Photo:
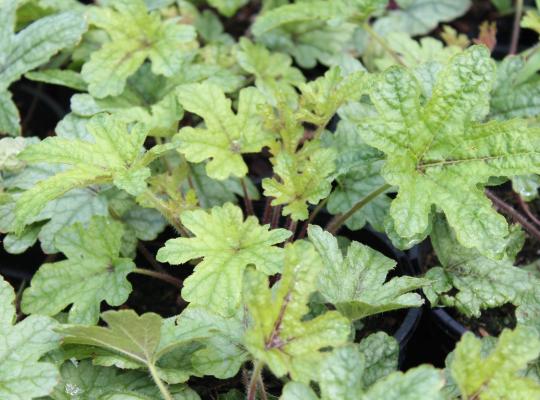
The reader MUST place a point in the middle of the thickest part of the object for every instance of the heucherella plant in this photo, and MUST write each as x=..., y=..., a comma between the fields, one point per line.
x=231, y=205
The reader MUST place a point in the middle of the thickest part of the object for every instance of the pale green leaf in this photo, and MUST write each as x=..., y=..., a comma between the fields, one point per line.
x=85, y=381
x=135, y=35
x=228, y=244
x=226, y=135
x=498, y=374
x=37, y=43
x=526, y=186
x=273, y=72
x=358, y=174
x=63, y=77
x=28, y=49
x=472, y=282
x=223, y=353
x=355, y=284
x=93, y=272
x=381, y=353
x=22, y=375
x=423, y=382
x=341, y=374
x=113, y=154
x=9, y=150
x=302, y=180
x=321, y=98
x=439, y=154
x=9, y=115
x=278, y=335
x=315, y=11
x=297, y=391
x=145, y=341
x=227, y=7
x=417, y=17
x=512, y=97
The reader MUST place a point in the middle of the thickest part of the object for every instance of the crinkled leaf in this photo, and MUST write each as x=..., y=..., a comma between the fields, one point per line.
x=414, y=53
x=438, y=153
x=223, y=353
x=85, y=381
x=497, y=374
x=114, y=155
x=315, y=31
x=315, y=11
x=472, y=282
x=135, y=35
x=136, y=341
x=358, y=174
x=380, y=353
x=273, y=71
x=228, y=244
x=93, y=272
x=321, y=98
x=417, y=17
x=147, y=98
x=341, y=374
x=512, y=97
x=35, y=44
x=278, y=335
x=226, y=135
x=300, y=180
x=29, y=48
x=355, y=284
x=22, y=375
x=297, y=391
x=423, y=382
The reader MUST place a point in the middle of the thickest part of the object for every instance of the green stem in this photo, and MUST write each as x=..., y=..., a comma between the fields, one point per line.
x=159, y=275
x=334, y=225
x=160, y=205
x=382, y=42
x=255, y=376
x=159, y=383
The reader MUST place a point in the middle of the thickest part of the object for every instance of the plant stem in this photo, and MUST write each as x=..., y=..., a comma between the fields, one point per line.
x=159, y=275
x=516, y=27
x=247, y=200
x=263, y=389
x=528, y=211
x=312, y=216
x=276, y=213
x=318, y=132
x=159, y=383
x=382, y=42
x=291, y=225
x=149, y=257
x=252, y=388
x=334, y=225
x=509, y=210
x=267, y=213
x=160, y=205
